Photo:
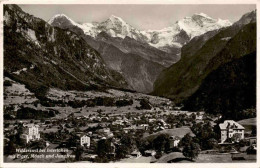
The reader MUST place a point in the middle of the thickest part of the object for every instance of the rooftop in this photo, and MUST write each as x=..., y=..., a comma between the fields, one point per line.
x=232, y=124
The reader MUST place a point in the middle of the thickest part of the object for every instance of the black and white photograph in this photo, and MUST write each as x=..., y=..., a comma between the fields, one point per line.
x=129, y=83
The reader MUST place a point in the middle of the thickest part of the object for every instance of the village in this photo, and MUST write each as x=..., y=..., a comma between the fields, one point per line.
x=119, y=126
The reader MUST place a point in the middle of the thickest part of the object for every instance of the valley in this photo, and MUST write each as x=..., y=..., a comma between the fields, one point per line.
x=106, y=92
x=104, y=119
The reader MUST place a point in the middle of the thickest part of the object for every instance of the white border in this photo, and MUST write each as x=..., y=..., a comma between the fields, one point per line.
x=130, y=165
x=129, y=2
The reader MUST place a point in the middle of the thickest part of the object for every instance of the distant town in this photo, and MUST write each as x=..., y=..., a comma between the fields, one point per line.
x=116, y=127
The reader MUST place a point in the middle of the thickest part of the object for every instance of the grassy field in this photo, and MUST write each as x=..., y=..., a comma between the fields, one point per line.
x=17, y=94
x=206, y=158
x=174, y=156
x=219, y=158
x=248, y=124
x=172, y=132
x=249, y=121
x=177, y=157
x=141, y=159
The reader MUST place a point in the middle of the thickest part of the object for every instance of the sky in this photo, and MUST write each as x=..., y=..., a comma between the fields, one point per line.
x=142, y=17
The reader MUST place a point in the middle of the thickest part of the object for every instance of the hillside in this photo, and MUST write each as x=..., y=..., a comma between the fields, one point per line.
x=137, y=71
x=41, y=56
x=228, y=90
x=201, y=56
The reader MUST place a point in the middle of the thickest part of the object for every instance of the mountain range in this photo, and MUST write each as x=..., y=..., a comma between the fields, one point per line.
x=174, y=36
x=199, y=62
x=139, y=56
x=197, y=80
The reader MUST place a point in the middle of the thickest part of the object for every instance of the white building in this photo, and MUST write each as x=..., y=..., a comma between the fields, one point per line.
x=149, y=152
x=231, y=129
x=136, y=154
x=145, y=126
x=176, y=140
x=84, y=139
x=31, y=132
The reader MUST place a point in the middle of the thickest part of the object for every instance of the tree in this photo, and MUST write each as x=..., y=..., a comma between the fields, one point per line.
x=38, y=144
x=161, y=143
x=128, y=142
x=104, y=147
x=21, y=142
x=204, y=134
x=78, y=152
x=193, y=116
x=212, y=143
x=7, y=83
x=145, y=104
x=72, y=141
x=191, y=150
x=253, y=133
x=144, y=144
x=10, y=148
x=242, y=143
x=121, y=151
x=251, y=150
x=186, y=140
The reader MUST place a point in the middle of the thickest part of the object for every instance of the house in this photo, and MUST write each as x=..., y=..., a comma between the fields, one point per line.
x=107, y=132
x=175, y=140
x=231, y=129
x=136, y=154
x=118, y=122
x=85, y=140
x=31, y=132
x=91, y=156
x=177, y=108
x=47, y=143
x=128, y=129
x=149, y=152
x=151, y=120
x=199, y=116
x=145, y=126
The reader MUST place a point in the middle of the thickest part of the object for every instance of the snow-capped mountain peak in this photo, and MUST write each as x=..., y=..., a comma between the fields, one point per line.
x=61, y=17
x=113, y=17
x=184, y=30
x=199, y=24
x=117, y=27
x=224, y=23
x=174, y=36
x=202, y=15
x=113, y=22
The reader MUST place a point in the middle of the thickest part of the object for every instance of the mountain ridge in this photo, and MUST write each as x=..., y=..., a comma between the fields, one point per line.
x=182, y=79
x=41, y=56
x=162, y=39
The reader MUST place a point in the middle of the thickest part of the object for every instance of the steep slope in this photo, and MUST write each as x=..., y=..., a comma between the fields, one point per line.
x=247, y=18
x=182, y=79
x=139, y=73
x=227, y=90
x=130, y=45
x=121, y=54
x=40, y=56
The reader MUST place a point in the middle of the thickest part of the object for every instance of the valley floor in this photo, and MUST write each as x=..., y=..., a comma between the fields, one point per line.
x=111, y=116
